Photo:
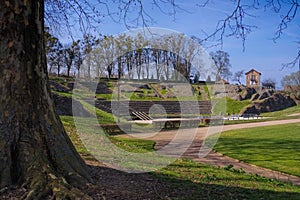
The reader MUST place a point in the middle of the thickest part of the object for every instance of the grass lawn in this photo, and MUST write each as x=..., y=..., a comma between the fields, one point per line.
x=201, y=180
x=232, y=106
x=223, y=183
x=273, y=147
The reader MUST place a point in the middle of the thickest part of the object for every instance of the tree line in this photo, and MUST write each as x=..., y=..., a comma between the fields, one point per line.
x=168, y=57
x=171, y=57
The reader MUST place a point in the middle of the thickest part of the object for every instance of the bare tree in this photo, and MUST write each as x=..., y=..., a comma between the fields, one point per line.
x=293, y=80
x=55, y=53
x=50, y=45
x=269, y=83
x=108, y=47
x=177, y=49
x=88, y=43
x=222, y=62
x=78, y=56
x=294, y=62
x=238, y=76
x=69, y=55
x=157, y=57
x=139, y=44
x=236, y=23
x=129, y=56
x=120, y=48
x=291, y=83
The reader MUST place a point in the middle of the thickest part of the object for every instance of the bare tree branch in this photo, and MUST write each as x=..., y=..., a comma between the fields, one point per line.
x=232, y=25
x=132, y=13
x=203, y=5
x=68, y=15
x=293, y=63
x=286, y=18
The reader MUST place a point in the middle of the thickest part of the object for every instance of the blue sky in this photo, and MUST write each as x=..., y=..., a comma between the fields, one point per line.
x=261, y=52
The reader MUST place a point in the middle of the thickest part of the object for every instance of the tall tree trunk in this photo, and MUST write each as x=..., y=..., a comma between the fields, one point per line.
x=58, y=69
x=68, y=70
x=35, y=150
x=119, y=67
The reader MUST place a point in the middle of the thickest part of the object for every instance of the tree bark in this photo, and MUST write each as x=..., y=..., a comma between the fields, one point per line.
x=35, y=150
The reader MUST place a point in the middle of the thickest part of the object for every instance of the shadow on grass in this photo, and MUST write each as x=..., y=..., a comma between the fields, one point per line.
x=121, y=185
x=281, y=154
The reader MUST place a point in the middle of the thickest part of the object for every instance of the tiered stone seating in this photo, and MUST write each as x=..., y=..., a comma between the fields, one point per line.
x=126, y=108
x=104, y=105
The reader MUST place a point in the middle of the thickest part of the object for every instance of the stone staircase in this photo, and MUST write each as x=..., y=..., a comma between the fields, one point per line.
x=156, y=91
x=204, y=94
x=142, y=115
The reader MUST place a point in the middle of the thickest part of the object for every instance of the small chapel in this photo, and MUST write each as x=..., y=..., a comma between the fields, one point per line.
x=253, y=78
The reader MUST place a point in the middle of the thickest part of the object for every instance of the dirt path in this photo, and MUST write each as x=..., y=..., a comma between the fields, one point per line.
x=217, y=159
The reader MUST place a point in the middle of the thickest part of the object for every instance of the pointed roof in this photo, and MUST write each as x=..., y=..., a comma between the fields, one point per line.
x=252, y=70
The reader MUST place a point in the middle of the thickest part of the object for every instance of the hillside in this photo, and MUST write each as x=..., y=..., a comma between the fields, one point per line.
x=240, y=99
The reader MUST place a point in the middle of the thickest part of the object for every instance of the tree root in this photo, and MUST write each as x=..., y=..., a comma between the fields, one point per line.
x=52, y=187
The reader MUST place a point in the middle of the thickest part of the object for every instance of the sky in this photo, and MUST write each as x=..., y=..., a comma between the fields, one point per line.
x=260, y=53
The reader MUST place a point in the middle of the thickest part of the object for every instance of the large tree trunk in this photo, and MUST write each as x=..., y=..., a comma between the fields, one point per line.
x=35, y=150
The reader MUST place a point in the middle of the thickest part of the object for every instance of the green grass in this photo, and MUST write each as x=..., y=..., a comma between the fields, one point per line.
x=103, y=117
x=69, y=125
x=144, y=96
x=230, y=122
x=133, y=145
x=270, y=116
x=223, y=183
x=104, y=96
x=65, y=94
x=199, y=179
x=61, y=80
x=273, y=147
x=206, y=89
x=163, y=91
x=233, y=106
x=228, y=106
x=283, y=113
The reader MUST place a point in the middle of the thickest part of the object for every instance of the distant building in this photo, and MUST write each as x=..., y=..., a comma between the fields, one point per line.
x=253, y=78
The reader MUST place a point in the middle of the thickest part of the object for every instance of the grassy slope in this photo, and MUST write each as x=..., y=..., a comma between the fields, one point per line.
x=283, y=113
x=273, y=147
x=277, y=115
x=232, y=106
